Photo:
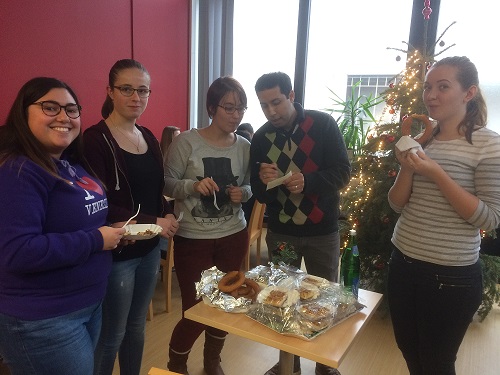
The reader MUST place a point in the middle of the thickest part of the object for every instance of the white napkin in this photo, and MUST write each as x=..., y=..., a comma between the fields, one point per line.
x=408, y=143
x=278, y=181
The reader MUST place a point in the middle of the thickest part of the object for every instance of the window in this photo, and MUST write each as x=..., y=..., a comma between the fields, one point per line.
x=373, y=85
x=265, y=38
x=474, y=36
x=349, y=39
x=354, y=41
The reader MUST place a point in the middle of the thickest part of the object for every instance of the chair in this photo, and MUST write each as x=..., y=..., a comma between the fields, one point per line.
x=167, y=265
x=255, y=231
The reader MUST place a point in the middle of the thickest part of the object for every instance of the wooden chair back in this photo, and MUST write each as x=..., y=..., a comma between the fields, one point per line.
x=255, y=225
x=167, y=266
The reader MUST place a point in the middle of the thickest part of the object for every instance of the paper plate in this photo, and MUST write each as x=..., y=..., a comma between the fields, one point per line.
x=141, y=231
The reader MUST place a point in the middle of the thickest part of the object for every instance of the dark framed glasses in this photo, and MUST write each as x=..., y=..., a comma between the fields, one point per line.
x=231, y=109
x=129, y=91
x=52, y=108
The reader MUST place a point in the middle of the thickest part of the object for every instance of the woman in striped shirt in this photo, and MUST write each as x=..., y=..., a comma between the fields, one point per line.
x=445, y=195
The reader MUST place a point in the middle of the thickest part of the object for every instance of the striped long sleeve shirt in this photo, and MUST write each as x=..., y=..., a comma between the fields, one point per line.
x=429, y=229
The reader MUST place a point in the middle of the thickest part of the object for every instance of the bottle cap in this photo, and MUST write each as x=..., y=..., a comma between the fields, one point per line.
x=352, y=232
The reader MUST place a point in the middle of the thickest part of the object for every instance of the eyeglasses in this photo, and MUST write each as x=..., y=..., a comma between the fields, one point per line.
x=52, y=109
x=230, y=109
x=129, y=91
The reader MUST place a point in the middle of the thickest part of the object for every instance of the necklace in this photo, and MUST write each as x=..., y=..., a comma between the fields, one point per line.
x=126, y=136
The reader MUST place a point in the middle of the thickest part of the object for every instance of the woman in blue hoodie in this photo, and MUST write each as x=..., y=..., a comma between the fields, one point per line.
x=53, y=239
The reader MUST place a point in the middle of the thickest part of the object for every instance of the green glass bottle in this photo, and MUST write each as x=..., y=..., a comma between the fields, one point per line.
x=349, y=266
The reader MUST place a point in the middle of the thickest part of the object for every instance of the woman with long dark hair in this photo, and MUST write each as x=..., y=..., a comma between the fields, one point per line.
x=54, y=237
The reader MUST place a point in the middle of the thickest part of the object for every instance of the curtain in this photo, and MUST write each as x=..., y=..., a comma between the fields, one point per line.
x=212, y=52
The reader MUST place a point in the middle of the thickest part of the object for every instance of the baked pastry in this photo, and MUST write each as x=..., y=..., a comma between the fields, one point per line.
x=278, y=296
x=315, y=310
x=315, y=280
x=315, y=325
x=231, y=281
x=308, y=291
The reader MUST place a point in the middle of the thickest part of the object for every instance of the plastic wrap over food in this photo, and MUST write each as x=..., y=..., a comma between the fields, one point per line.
x=272, y=274
x=303, y=305
x=208, y=290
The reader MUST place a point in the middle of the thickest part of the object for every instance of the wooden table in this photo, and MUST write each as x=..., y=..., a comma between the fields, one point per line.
x=329, y=348
x=158, y=371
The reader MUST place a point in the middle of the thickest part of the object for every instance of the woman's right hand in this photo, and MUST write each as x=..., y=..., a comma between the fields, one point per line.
x=206, y=187
x=111, y=236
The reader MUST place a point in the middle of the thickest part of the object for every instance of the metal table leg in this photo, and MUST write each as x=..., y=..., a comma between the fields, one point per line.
x=286, y=363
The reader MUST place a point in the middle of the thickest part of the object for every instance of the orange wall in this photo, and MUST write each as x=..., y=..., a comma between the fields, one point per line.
x=78, y=42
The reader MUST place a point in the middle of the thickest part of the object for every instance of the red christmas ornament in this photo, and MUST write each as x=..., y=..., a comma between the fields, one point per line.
x=390, y=138
x=427, y=9
x=378, y=263
x=391, y=85
x=386, y=220
x=392, y=111
x=391, y=173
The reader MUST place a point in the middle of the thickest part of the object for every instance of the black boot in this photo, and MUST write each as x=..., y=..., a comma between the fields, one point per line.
x=325, y=370
x=211, y=354
x=177, y=362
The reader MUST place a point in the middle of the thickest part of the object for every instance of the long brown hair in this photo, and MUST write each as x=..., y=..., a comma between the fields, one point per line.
x=476, y=115
x=16, y=138
x=167, y=136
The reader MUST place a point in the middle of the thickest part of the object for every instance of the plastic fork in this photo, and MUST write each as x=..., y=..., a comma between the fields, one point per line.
x=137, y=213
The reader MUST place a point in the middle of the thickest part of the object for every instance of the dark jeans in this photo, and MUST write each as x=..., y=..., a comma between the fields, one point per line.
x=191, y=258
x=431, y=308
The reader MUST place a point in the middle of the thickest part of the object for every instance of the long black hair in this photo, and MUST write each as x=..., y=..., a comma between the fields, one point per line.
x=16, y=137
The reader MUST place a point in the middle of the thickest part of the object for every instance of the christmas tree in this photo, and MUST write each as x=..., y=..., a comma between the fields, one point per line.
x=364, y=203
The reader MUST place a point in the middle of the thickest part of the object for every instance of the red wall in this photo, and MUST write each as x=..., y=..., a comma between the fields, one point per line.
x=78, y=42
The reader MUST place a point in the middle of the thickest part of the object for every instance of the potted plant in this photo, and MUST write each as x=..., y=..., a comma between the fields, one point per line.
x=355, y=117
